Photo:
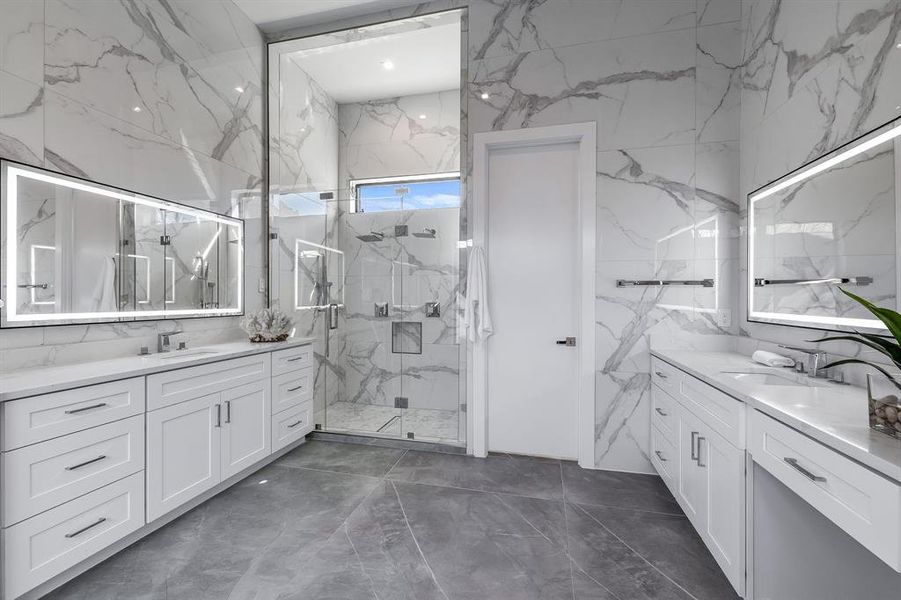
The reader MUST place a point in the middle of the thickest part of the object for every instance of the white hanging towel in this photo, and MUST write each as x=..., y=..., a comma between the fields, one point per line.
x=104, y=297
x=476, y=316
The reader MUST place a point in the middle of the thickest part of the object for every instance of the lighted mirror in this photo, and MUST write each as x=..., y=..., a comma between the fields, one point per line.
x=79, y=252
x=829, y=224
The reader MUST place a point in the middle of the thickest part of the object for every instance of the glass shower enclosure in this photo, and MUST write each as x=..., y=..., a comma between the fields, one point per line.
x=370, y=271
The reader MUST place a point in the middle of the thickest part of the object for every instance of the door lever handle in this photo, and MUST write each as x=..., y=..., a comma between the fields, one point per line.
x=570, y=341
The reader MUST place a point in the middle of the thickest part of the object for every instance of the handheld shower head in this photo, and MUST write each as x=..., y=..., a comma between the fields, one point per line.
x=372, y=236
x=428, y=232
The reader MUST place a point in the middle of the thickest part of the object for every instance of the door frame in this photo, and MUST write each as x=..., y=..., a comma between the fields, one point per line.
x=585, y=135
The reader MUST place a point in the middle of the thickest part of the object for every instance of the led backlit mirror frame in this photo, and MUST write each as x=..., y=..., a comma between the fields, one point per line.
x=12, y=172
x=888, y=133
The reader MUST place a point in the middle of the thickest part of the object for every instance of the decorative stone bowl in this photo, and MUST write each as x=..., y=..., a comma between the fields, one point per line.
x=885, y=405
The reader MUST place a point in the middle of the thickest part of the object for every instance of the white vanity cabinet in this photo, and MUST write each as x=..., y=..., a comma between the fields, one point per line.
x=88, y=470
x=206, y=429
x=703, y=468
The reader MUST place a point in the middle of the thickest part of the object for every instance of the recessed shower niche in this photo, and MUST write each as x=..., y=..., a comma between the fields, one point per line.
x=365, y=197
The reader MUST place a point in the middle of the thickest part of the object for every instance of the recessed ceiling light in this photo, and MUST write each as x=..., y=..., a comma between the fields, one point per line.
x=422, y=116
x=239, y=89
x=485, y=95
x=387, y=65
x=136, y=109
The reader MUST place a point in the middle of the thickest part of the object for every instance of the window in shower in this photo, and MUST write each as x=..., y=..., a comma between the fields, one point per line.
x=439, y=190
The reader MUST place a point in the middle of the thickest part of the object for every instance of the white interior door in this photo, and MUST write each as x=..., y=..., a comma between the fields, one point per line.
x=533, y=268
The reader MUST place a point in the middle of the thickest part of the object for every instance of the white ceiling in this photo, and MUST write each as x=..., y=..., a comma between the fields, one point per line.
x=281, y=15
x=425, y=60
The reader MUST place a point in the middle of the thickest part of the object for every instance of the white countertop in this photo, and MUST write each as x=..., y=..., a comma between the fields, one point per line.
x=833, y=414
x=42, y=380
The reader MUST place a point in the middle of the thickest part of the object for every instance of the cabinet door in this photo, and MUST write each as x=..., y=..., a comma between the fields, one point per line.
x=246, y=427
x=183, y=458
x=725, y=522
x=692, y=479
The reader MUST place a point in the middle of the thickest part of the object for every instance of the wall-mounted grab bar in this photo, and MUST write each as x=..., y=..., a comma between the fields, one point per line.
x=761, y=282
x=620, y=283
x=42, y=286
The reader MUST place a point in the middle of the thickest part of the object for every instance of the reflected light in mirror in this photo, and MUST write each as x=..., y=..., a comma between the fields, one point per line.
x=12, y=184
x=888, y=135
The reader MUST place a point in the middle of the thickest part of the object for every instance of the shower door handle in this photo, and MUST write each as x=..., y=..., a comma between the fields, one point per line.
x=570, y=341
x=333, y=316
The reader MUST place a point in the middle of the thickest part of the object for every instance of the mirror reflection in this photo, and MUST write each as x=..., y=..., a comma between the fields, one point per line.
x=828, y=225
x=76, y=251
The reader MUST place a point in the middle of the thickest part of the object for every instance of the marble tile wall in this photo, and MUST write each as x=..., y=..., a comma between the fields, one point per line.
x=815, y=74
x=662, y=81
x=162, y=97
x=303, y=165
x=383, y=138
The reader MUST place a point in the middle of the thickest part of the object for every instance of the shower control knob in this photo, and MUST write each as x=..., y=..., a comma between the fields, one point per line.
x=570, y=341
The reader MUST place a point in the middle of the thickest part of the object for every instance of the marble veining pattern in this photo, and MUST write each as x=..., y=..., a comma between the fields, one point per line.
x=75, y=71
x=814, y=75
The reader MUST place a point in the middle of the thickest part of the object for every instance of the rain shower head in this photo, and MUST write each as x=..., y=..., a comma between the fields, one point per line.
x=372, y=236
x=426, y=233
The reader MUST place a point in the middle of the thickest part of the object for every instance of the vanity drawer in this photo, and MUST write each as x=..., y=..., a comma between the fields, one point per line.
x=723, y=413
x=665, y=458
x=181, y=385
x=39, y=418
x=291, y=425
x=291, y=389
x=41, y=476
x=44, y=546
x=664, y=412
x=292, y=359
x=666, y=376
x=864, y=504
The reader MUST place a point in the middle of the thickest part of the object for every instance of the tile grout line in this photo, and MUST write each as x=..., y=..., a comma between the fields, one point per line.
x=572, y=577
x=415, y=541
x=634, y=551
x=638, y=510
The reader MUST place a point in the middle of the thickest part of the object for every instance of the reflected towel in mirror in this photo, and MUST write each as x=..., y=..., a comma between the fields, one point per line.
x=104, y=297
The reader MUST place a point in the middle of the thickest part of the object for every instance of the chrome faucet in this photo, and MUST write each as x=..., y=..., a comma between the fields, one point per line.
x=814, y=362
x=163, y=343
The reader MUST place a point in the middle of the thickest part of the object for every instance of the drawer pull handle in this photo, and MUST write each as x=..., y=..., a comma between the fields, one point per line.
x=75, y=411
x=700, y=439
x=661, y=412
x=296, y=358
x=83, y=529
x=295, y=424
x=794, y=463
x=294, y=389
x=661, y=375
x=659, y=455
x=86, y=463
x=694, y=439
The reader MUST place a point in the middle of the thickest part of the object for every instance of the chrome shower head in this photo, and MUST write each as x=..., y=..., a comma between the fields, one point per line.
x=428, y=232
x=372, y=236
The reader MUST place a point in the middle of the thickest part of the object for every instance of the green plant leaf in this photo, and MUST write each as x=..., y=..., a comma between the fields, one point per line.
x=849, y=361
x=890, y=318
x=892, y=351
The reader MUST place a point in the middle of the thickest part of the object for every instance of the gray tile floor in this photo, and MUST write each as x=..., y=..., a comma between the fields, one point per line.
x=341, y=521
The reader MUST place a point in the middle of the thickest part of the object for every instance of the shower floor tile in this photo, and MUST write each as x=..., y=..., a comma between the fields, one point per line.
x=424, y=423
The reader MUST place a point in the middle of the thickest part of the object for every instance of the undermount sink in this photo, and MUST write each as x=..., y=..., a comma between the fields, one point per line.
x=186, y=354
x=770, y=379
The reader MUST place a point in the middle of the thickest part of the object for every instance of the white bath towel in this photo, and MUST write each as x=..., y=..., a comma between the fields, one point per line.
x=771, y=359
x=104, y=297
x=476, y=315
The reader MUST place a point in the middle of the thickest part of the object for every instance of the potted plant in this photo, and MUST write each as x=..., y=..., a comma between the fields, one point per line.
x=884, y=396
